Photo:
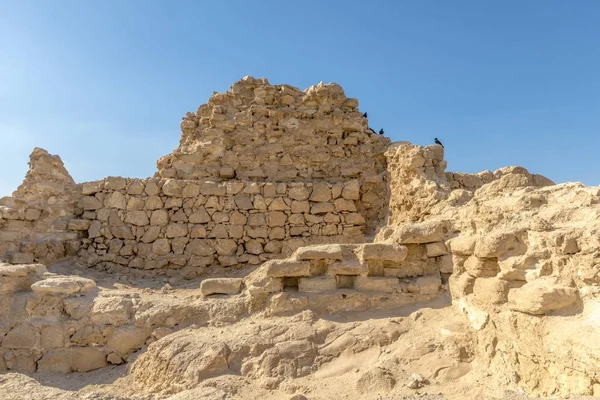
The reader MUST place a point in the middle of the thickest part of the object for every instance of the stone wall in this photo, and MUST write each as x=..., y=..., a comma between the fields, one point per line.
x=279, y=133
x=158, y=224
x=35, y=221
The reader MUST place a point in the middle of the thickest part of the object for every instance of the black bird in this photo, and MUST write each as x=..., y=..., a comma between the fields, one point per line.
x=365, y=115
x=371, y=129
x=438, y=142
x=381, y=131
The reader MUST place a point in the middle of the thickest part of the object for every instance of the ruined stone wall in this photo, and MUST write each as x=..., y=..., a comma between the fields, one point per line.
x=35, y=221
x=278, y=133
x=160, y=224
x=260, y=170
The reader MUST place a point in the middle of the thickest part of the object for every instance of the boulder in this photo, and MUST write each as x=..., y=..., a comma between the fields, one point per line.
x=320, y=252
x=228, y=286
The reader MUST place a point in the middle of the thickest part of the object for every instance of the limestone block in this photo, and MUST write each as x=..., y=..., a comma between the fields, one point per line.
x=90, y=203
x=190, y=190
x=286, y=268
x=348, y=267
x=423, y=232
x=21, y=258
x=136, y=187
x=219, y=232
x=199, y=217
x=436, y=249
x=384, y=252
x=490, y=291
x=226, y=247
x=481, y=267
x=86, y=359
x=137, y=218
x=153, y=203
x=173, y=202
x=299, y=193
x=161, y=246
x=52, y=336
x=499, y=244
x=176, y=230
x=55, y=361
x=541, y=296
x=151, y=188
x=228, y=261
x=135, y=203
x=200, y=247
x=243, y=202
x=446, y=264
x=429, y=284
x=320, y=252
x=32, y=214
x=116, y=200
x=151, y=234
x=22, y=336
x=20, y=361
x=88, y=188
x=111, y=310
x=79, y=225
x=344, y=205
x=257, y=219
x=213, y=189
x=317, y=284
x=115, y=183
x=277, y=233
x=278, y=204
x=126, y=339
x=351, y=190
x=276, y=218
x=63, y=285
x=377, y=284
x=121, y=232
x=253, y=246
x=300, y=207
x=171, y=188
x=229, y=286
x=354, y=219
x=322, y=208
x=321, y=192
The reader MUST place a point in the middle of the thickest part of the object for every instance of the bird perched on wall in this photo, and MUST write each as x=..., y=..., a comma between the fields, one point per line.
x=381, y=131
x=436, y=140
x=365, y=115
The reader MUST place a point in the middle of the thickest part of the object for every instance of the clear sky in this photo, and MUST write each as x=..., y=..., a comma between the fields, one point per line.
x=104, y=84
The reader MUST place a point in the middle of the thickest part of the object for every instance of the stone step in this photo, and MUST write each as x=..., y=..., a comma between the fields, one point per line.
x=390, y=252
x=320, y=252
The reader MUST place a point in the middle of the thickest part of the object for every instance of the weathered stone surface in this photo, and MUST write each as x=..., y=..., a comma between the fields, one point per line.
x=436, y=249
x=384, y=252
x=462, y=245
x=353, y=267
x=287, y=268
x=499, y=244
x=541, y=296
x=482, y=267
x=86, y=359
x=320, y=252
x=63, y=285
x=377, y=284
x=317, y=284
x=424, y=232
x=20, y=337
x=126, y=339
x=228, y=286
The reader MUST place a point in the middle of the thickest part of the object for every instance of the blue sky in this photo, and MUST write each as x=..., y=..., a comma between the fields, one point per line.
x=104, y=84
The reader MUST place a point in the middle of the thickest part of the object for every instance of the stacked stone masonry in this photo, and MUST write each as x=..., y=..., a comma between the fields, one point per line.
x=175, y=224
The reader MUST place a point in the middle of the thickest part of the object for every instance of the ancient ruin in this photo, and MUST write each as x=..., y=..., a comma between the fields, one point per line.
x=286, y=250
